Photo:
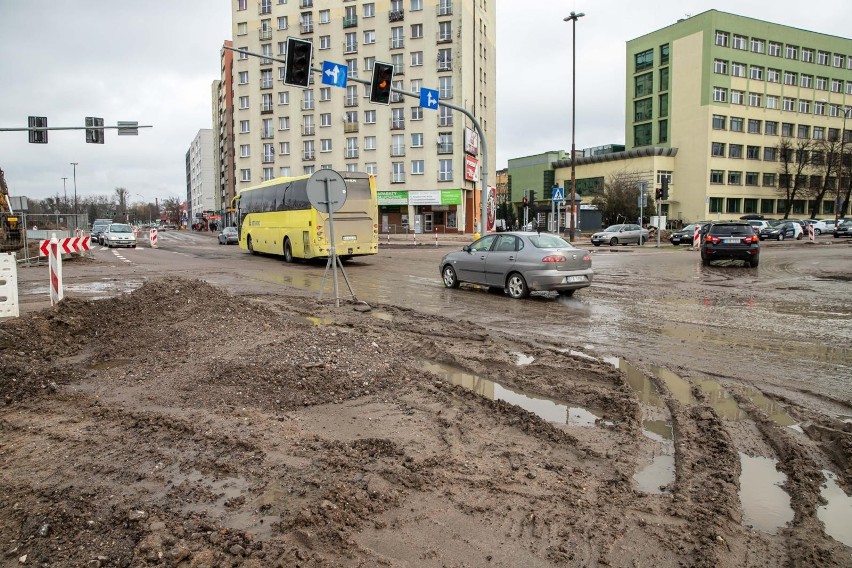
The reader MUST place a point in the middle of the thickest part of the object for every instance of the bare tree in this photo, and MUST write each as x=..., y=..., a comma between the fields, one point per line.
x=618, y=202
x=122, y=194
x=825, y=162
x=172, y=207
x=794, y=156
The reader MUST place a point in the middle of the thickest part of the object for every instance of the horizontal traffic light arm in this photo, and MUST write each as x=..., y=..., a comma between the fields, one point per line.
x=40, y=128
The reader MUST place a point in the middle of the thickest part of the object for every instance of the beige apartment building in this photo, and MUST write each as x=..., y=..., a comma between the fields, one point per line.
x=426, y=162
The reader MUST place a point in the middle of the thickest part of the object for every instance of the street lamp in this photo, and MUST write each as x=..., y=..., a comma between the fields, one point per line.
x=65, y=193
x=573, y=18
x=837, y=203
x=75, y=186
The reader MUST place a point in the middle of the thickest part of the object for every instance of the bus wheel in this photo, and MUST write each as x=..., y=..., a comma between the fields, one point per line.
x=249, y=245
x=288, y=251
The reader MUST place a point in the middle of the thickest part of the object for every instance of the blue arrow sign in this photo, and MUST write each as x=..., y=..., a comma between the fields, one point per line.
x=334, y=74
x=429, y=98
x=556, y=195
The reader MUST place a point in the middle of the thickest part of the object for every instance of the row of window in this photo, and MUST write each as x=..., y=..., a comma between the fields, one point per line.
x=773, y=153
x=771, y=75
x=643, y=133
x=444, y=174
x=732, y=177
x=775, y=102
x=445, y=7
x=745, y=205
x=645, y=59
x=397, y=147
x=771, y=128
x=778, y=49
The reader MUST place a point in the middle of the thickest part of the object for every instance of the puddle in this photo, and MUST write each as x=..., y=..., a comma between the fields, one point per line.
x=523, y=359
x=837, y=513
x=773, y=410
x=844, y=418
x=658, y=475
x=110, y=364
x=100, y=290
x=765, y=504
x=658, y=430
x=639, y=382
x=544, y=408
x=680, y=388
x=313, y=320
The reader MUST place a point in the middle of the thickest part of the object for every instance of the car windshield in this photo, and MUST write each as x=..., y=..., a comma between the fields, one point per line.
x=689, y=228
x=115, y=228
x=733, y=230
x=613, y=228
x=549, y=241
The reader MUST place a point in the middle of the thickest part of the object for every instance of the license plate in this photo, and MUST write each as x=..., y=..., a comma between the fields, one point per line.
x=349, y=237
x=570, y=279
x=732, y=241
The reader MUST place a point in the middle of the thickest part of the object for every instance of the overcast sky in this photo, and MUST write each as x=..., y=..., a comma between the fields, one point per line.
x=155, y=62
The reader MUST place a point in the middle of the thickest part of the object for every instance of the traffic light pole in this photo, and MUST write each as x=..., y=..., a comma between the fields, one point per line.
x=464, y=111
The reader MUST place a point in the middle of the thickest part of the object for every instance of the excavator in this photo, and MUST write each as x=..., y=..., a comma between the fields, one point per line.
x=10, y=226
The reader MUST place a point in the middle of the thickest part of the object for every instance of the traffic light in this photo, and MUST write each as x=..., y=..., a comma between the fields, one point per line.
x=380, y=85
x=532, y=198
x=524, y=201
x=37, y=136
x=297, y=69
x=658, y=194
x=94, y=135
x=665, y=189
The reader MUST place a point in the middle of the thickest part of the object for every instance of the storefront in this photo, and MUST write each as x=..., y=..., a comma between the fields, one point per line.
x=425, y=211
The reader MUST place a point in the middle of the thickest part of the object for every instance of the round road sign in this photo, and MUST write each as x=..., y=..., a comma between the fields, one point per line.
x=326, y=191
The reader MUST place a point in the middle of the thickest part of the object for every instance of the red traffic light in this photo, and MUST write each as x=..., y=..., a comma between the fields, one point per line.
x=524, y=201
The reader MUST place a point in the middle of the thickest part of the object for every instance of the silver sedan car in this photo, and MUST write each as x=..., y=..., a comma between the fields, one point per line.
x=620, y=235
x=520, y=263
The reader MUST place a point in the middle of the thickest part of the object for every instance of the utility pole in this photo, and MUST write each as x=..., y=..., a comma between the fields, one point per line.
x=75, y=185
x=64, y=191
x=573, y=19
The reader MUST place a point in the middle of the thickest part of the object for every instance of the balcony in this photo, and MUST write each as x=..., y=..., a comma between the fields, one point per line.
x=267, y=135
x=266, y=109
x=351, y=153
x=349, y=127
x=307, y=28
x=351, y=47
x=350, y=22
x=266, y=83
x=308, y=155
x=445, y=120
x=308, y=105
x=308, y=129
x=445, y=147
x=397, y=43
x=444, y=37
x=350, y=102
x=396, y=15
x=398, y=177
x=445, y=65
x=264, y=34
x=397, y=125
x=269, y=158
x=397, y=150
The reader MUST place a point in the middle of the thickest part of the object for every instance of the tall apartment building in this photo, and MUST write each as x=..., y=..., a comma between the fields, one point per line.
x=735, y=97
x=201, y=175
x=425, y=161
x=223, y=126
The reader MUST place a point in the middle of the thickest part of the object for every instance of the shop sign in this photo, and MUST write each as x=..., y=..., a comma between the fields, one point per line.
x=471, y=141
x=451, y=197
x=471, y=168
x=392, y=197
x=424, y=197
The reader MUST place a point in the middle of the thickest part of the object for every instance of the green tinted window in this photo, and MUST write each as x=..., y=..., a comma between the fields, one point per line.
x=644, y=60
x=644, y=85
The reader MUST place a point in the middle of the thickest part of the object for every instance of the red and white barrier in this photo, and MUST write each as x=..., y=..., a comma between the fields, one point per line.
x=696, y=238
x=54, y=263
x=9, y=307
x=152, y=238
x=811, y=236
x=67, y=245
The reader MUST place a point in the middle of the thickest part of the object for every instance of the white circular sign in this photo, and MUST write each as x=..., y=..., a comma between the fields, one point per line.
x=326, y=191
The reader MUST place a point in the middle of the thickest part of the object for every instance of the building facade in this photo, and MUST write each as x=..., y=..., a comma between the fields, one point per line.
x=201, y=175
x=425, y=161
x=223, y=126
x=755, y=110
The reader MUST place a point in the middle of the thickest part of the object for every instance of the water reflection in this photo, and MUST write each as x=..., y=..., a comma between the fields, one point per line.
x=836, y=515
x=766, y=506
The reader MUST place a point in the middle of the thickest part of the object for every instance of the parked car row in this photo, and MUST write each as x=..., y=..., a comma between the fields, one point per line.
x=843, y=228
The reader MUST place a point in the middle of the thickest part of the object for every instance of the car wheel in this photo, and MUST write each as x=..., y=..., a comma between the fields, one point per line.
x=567, y=293
x=220, y=242
x=448, y=275
x=799, y=238
x=596, y=244
x=780, y=236
x=754, y=262
x=517, y=286
x=613, y=241
x=817, y=232
x=250, y=245
x=288, y=251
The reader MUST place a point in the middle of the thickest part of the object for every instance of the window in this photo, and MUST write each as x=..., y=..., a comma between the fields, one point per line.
x=756, y=73
x=753, y=126
x=789, y=103
x=417, y=113
x=751, y=178
x=753, y=152
x=720, y=94
x=308, y=150
x=773, y=75
x=445, y=31
x=445, y=170
x=369, y=10
x=754, y=99
x=325, y=145
x=786, y=129
x=325, y=94
x=642, y=135
x=282, y=22
x=735, y=151
x=804, y=131
x=416, y=58
x=245, y=150
x=736, y=124
x=643, y=85
x=244, y=78
x=791, y=51
x=770, y=154
x=416, y=31
x=244, y=102
x=242, y=28
x=350, y=42
x=758, y=45
x=325, y=42
x=719, y=121
x=739, y=42
x=397, y=37
x=644, y=60
x=244, y=126
x=664, y=79
x=722, y=38
x=284, y=171
x=837, y=60
x=716, y=203
x=774, y=49
x=664, y=54
x=807, y=55
x=716, y=176
x=369, y=142
x=283, y=123
x=245, y=175
x=804, y=106
x=284, y=148
x=737, y=97
x=789, y=78
x=417, y=167
x=821, y=83
x=806, y=81
x=664, y=105
x=771, y=101
x=398, y=64
x=445, y=88
x=268, y=153
x=284, y=98
x=735, y=178
x=823, y=57
x=720, y=66
x=325, y=120
x=351, y=148
x=819, y=133
x=369, y=37
x=738, y=69
x=397, y=118
x=819, y=108
x=398, y=145
x=733, y=203
x=266, y=128
x=369, y=117
x=836, y=85
x=643, y=110
x=717, y=149
x=416, y=5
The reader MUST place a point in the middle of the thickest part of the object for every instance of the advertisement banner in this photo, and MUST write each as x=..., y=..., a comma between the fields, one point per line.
x=424, y=197
x=471, y=168
x=471, y=141
x=451, y=197
x=392, y=197
x=491, y=210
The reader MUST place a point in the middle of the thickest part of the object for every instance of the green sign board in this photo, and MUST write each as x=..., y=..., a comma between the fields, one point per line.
x=392, y=197
x=445, y=196
x=451, y=197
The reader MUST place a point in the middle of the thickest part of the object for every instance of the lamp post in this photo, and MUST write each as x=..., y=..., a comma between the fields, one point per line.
x=65, y=192
x=837, y=203
x=75, y=186
x=573, y=18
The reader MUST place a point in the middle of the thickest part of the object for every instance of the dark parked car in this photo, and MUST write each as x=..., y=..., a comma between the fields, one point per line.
x=229, y=236
x=843, y=228
x=519, y=262
x=685, y=235
x=732, y=240
x=779, y=231
x=98, y=228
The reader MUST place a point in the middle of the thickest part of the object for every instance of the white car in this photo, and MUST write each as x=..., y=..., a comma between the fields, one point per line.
x=819, y=226
x=119, y=235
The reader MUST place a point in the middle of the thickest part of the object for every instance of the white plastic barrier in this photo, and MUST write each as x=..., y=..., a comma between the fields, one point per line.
x=9, y=306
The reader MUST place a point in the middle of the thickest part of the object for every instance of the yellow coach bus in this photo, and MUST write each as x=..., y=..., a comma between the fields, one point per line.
x=276, y=217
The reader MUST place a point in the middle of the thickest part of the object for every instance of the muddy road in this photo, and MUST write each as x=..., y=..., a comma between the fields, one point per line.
x=671, y=414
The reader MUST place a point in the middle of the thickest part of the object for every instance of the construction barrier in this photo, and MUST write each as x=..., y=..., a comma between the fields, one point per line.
x=9, y=306
x=152, y=238
x=811, y=236
x=54, y=264
x=696, y=238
